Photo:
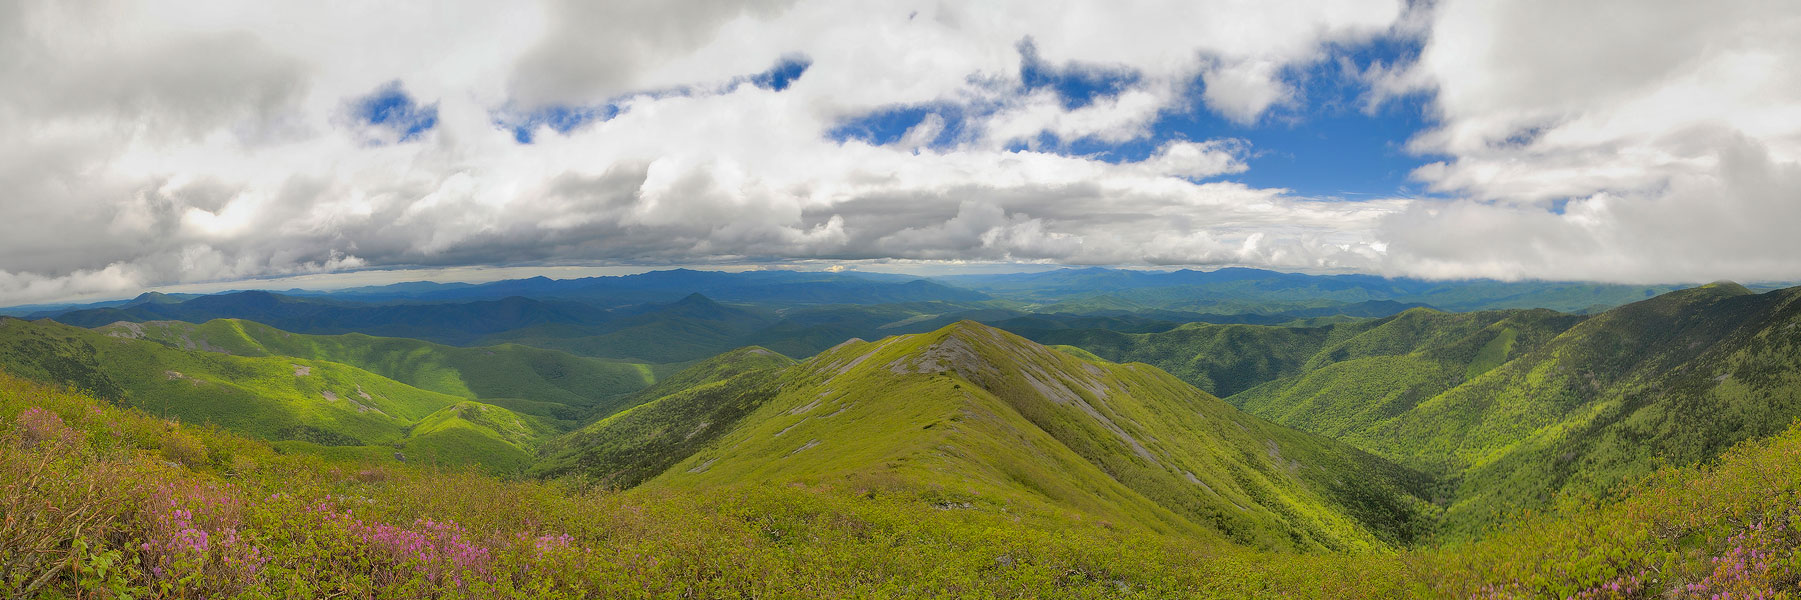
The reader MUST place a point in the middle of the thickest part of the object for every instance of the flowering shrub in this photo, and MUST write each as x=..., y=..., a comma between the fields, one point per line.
x=193, y=529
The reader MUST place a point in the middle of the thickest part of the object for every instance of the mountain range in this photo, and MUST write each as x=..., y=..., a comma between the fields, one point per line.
x=1375, y=447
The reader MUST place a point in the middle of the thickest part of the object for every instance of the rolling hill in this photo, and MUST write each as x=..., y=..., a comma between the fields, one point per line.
x=303, y=404
x=529, y=380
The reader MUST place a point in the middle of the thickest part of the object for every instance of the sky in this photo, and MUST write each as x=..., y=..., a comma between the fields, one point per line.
x=195, y=143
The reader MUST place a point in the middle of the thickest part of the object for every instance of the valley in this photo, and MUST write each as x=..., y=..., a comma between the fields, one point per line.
x=1414, y=452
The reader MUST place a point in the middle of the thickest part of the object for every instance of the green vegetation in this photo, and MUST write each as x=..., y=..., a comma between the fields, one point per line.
x=315, y=404
x=1528, y=409
x=102, y=501
x=979, y=413
x=528, y=380
x=1643, y=452
x=667, y=422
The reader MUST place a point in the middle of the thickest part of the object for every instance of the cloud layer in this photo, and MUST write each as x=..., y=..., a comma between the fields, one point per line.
x=145, y=144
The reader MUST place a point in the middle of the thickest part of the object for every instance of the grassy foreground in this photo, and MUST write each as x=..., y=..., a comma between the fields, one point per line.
x=98, y=501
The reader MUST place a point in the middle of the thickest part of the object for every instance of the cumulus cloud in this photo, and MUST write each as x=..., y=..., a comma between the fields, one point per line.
x=1615, y=140
x=214, y=140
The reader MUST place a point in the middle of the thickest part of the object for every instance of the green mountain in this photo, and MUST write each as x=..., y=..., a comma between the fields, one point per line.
x=1532, y=417
x=1227, y=359
x=1255, y=291
x=988, y=418
x=305, y=404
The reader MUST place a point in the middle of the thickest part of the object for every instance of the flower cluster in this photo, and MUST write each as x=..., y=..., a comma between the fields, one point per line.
x=440, y=550
x=196, y=528
x=42, y=428
x=1751, y=567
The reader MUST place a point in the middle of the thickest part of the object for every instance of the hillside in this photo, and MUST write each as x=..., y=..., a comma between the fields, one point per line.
x=668, y=421
x=1226, y=359
x=1675, y=379
x=992, y=419
x=105, y=500
x=306, y=405
x=524, y=379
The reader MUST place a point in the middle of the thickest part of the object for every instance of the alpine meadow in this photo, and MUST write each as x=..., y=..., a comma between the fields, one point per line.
x=1374, y=299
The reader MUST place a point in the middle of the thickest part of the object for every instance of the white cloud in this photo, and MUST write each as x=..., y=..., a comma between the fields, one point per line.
x=144, y=145
x=1671, y=129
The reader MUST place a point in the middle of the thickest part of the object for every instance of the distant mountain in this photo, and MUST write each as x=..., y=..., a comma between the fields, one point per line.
x=451, y=323
x=991, y=418
x=775, y=287
x=1256, y=291
x=38, y=311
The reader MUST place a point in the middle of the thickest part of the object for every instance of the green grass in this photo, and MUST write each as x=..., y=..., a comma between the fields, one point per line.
x=536, y=381
x=990, y=418
x=313, y=403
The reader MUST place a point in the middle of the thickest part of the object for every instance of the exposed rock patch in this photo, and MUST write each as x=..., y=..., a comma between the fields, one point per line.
x=809, y=444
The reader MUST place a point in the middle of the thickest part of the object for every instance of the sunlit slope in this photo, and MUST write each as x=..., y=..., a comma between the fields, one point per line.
x=528, y=380
x=309, y=404
x=1675, y=379
x=1227, y=359
x=1388, y=368
x=987, y=416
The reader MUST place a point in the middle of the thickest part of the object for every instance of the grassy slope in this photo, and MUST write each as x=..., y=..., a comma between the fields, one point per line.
x=315, y=403
x=990, y=418
x=546, y=383
x=1393, y=365
x=1677, y=378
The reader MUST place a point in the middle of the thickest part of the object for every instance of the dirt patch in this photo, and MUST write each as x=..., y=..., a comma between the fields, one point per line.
x=329, y=395
x=302, y=370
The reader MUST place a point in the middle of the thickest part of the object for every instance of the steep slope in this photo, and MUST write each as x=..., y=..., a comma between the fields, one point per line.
x=985, y=416
x=305, y=404
x=1675, y=379
x=528, y=380
x=1393, y=365
x=1226, y=359
x=668, y=421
